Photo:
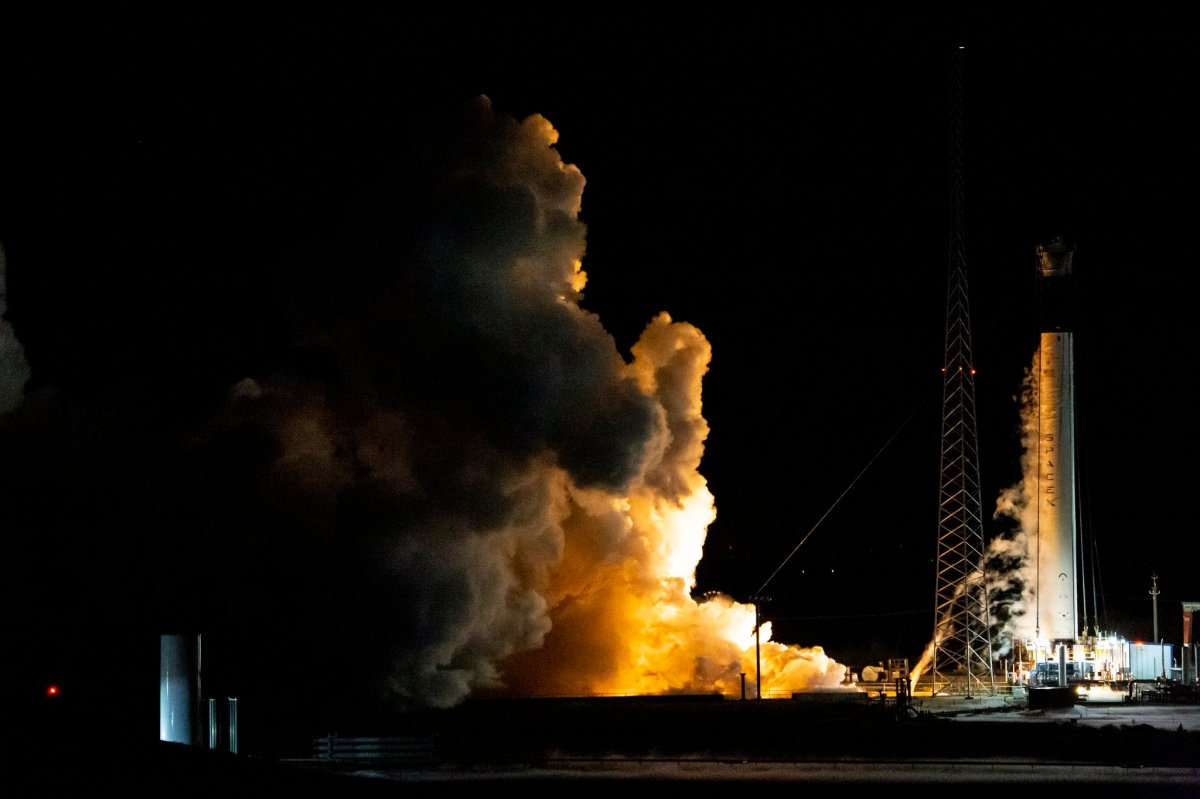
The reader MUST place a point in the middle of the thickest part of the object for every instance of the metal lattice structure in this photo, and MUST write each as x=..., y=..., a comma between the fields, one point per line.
x=962, y=637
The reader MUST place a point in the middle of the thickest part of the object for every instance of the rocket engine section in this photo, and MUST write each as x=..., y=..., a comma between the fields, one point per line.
x=1056, y=539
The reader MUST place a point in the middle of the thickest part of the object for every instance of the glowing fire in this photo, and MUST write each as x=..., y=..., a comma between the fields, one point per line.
x=539, y=505
x=923, y=664
x=623, y=618
x=618, y=596
x=1100, y=693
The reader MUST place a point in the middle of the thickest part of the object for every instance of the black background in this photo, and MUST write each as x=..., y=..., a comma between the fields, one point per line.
x=779, y=182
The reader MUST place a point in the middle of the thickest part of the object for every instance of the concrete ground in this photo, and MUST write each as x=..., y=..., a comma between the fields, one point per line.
x=1184, y=717
x=951, y=746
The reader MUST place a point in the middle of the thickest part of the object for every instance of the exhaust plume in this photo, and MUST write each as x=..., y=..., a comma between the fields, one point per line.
x=532, y=504
x=447, y=481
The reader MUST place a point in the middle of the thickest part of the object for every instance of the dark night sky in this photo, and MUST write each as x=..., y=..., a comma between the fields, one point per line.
x=779, y=183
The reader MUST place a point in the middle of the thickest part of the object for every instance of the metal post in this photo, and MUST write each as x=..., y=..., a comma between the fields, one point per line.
x=757, y=658
x=212, y=724
x=758, y=600
x=1154, y=601
x=198, y=693
x=232, y=740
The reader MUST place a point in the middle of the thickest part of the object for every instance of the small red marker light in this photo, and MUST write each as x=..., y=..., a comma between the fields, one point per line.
x=52, y=690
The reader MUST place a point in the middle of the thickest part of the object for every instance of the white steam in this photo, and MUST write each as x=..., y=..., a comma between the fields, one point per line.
x=1012, y=562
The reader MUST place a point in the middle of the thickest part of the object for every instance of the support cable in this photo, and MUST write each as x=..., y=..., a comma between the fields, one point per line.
x=845, y=492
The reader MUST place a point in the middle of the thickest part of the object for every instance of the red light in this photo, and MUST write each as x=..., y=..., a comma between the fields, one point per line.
x=52, y=690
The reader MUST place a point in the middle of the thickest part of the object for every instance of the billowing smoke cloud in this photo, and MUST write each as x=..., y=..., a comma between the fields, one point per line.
x=14, y=370
x=452, y=482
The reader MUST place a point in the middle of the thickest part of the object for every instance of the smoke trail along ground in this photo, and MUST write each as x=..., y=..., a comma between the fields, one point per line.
x=450, y=483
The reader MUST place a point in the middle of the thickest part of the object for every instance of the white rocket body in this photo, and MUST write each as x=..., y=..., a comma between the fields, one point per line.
x=1056, y=491
x=1057, y=612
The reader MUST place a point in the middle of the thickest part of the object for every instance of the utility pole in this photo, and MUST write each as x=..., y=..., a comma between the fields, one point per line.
x=1154, y=602
x=757, y=600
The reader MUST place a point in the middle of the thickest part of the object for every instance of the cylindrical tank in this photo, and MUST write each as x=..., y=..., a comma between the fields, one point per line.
x=874, y=673
x=178, y=689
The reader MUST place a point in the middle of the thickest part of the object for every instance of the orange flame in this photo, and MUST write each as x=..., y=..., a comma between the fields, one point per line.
x=623, y=618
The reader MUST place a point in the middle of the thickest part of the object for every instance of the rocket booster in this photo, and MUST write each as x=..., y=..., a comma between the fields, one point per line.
x=1056, y=512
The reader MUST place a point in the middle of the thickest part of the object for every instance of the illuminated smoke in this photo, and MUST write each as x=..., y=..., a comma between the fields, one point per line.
x=14, y=370
x=443, y=480
x=623, y=617
x=446, y=482
x=945, y=625
x=472, y=476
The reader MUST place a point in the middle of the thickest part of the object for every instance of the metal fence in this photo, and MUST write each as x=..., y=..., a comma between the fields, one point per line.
x=395, y=749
